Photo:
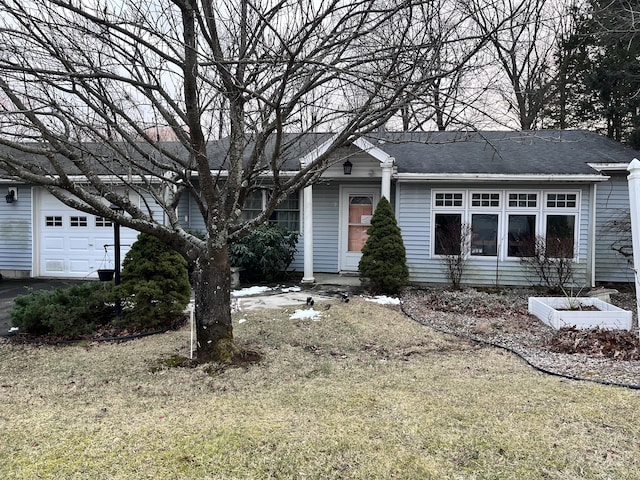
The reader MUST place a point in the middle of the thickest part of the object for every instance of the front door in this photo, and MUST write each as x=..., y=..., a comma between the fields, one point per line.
x=356, y=209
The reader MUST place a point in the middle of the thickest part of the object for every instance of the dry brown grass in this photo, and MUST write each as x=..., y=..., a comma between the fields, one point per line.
x=362, y=393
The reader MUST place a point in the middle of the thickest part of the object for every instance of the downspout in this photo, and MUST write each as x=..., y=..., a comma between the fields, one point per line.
x=591, y=237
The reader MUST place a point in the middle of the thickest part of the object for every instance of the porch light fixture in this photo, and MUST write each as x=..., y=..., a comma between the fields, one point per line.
x=12, y=196
x=347, y=166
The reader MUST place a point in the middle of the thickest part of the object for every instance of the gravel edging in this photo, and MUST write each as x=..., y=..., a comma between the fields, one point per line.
x=526, y=337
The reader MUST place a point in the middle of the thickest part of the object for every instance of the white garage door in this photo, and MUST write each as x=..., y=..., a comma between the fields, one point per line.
x=71, y=244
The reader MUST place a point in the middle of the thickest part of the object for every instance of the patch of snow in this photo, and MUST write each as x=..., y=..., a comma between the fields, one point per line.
x=384, y=300
x=301, y=314
x=242, y=320
x=13, y=329
x=244, y=292
x=290, y=289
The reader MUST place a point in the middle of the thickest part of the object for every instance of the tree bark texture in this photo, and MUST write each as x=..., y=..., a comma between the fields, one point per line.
x=212, y=288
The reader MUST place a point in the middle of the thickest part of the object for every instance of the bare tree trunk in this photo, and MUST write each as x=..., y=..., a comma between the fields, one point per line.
x=212, y=287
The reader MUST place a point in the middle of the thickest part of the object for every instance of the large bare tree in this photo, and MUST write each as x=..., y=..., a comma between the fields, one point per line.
x=90, y=90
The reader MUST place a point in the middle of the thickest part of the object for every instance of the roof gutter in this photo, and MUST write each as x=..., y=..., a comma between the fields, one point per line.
x=497, y=177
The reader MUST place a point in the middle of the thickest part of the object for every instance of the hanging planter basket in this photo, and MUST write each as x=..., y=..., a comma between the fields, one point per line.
x=105, y=275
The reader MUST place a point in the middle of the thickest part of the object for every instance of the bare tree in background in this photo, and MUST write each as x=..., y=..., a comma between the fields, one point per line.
x=522, y=50
x=91, y=88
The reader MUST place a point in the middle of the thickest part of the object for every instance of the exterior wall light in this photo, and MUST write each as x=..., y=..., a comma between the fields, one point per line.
x=12, y=196
x=347, y=166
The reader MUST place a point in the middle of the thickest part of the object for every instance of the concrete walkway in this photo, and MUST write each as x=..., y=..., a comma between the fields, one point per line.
x=327, y=286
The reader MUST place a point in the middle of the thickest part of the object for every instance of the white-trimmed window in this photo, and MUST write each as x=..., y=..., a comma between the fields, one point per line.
x=77, y=221
x=482, y=199
x=447, y=231
x=103, y=222
x=523, y=200
x=506, y=229
x=53, y=221
x=287, y=214
x=562, y=200
x=449, y=199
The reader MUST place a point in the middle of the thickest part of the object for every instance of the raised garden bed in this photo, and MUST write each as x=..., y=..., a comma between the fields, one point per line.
x=559, y=312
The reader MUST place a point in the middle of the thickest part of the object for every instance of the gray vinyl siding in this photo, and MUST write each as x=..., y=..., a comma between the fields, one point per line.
x=15, y=232
x=414, y=214
x=612, y=210
x=325, y=228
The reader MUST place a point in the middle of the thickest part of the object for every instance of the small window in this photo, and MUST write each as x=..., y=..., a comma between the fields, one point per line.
x=53, y=221
x=78, y=221
x=252, y=206
x=561, y=200
x=560, y=236
x=448, y=199
x=448, y=234
x=485, y=199
x=103, y=222
x=523, y=200
x=484, y=235
x=287, y=215
x=521, y=236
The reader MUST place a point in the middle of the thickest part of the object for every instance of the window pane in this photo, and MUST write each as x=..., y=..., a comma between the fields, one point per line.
x=252, y=206
x=560, y=236
x=523, y=200
x=447, y=234
x=521, y=235
x=561, y=200
x=287, y=215
x=448, y=199
x=103, y=222
x=78, y=221
x=485, y=200
x=484, y=235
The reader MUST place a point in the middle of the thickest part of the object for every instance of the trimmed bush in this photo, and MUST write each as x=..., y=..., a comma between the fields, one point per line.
x=383, y=266
x=154, y=289
x=265, y=253
x=69, y=312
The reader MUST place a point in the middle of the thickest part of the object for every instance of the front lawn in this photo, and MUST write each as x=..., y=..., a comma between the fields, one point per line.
x=362, y=392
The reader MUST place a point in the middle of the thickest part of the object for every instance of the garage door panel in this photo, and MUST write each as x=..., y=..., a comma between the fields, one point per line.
x=52, y=244
x=54, y=266
x=79, y=267
x=72, y=243
x=79, y=244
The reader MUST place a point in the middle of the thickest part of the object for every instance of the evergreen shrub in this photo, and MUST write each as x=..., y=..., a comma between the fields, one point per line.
x=154, y=289
x=383, y=266
x=69, y=312
x=266, y=253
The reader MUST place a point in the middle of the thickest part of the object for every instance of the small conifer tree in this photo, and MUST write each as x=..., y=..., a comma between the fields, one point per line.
x=383, y=266
x=155, y=285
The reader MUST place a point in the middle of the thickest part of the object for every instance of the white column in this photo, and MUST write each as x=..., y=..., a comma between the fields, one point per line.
x=387, y=170
x=307, y=234
x=634, y=207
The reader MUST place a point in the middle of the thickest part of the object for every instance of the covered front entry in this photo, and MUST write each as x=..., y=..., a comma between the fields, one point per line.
x=70, y=243
x=357, y=204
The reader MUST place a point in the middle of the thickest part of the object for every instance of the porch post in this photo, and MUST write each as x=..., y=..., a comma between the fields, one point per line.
x=307, y=233
x=634, y=207
x=387, y=169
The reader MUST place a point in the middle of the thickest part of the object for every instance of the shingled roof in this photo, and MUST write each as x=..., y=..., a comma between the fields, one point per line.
x=543, y=152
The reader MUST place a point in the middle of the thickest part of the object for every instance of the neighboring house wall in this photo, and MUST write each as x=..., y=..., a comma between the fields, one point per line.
x=16, y=233
x=613, y=215
x=416, y=214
